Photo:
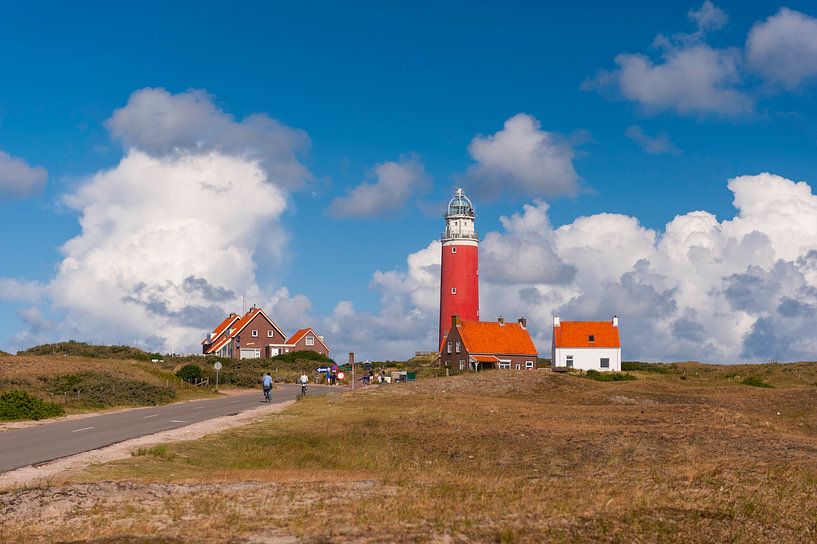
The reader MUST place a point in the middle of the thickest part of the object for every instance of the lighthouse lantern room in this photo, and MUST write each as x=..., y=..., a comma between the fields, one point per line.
x=459, y=276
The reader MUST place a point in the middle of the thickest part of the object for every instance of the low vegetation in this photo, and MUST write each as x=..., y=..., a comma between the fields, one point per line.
x=609, y=376
x=487, y=457
x=756, y=381
x=660, y=368
x=81, y=349
x=20, y=405
x=94, y=389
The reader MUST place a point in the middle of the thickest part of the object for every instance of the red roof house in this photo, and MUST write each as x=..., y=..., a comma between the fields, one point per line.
x=478, y=345
x=255, y=335
x=586, y=345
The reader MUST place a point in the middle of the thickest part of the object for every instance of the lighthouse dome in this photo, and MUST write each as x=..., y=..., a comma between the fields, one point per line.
x=460, y=205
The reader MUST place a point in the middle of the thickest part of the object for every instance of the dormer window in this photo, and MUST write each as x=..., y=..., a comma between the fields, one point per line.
x=591, y=338
x=453, y=249
x=453, y=290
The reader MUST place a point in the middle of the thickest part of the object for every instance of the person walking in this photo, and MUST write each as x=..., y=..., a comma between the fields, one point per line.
x=267, y=383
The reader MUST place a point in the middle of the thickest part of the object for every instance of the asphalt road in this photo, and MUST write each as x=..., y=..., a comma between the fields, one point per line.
x=42, y=443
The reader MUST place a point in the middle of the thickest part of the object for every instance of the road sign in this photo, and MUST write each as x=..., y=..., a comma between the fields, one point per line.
x=341, y=375
x=217, y=366
x=322, y=369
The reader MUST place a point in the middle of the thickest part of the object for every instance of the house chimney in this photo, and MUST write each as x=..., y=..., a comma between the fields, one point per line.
x=455, y=320
x=501, y=320
x=320, y=338
x=524, y=322
x=615, y=321
x=556, y=321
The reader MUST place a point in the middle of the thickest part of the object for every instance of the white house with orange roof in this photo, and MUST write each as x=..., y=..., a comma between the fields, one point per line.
x=586, y=345
x=255, y=335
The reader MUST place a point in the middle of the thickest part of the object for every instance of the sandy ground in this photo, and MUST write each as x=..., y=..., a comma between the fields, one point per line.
x=43, y=474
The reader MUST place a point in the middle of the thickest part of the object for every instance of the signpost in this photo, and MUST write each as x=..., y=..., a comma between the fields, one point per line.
x=352, y=362
x=217, y=366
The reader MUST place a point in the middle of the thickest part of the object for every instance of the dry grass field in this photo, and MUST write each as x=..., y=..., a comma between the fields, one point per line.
x=687, y=455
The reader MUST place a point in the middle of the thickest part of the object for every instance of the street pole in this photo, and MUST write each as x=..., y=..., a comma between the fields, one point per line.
x=352, y=362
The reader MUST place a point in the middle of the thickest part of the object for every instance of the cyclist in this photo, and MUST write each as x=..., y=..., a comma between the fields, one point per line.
x=267, y=382
x=303, y=380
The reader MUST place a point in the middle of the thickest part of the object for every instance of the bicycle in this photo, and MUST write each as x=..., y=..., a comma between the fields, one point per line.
x=268, y=394
x=303, y=389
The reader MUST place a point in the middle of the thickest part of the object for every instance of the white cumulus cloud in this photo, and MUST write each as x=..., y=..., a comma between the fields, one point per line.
x=783, y=48
x=395, y=183
x=18, y=179
x=169, y=236
x=523, y=159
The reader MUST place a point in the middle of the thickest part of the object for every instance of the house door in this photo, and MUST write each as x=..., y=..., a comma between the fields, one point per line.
x=274, y=351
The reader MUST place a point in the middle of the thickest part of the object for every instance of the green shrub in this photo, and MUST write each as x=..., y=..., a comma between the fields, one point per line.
x=659, y=368
x=95, y=389
x=21, y=405
x=609, y=376
x=190, y=372
x=756, y=381
x=295, y=356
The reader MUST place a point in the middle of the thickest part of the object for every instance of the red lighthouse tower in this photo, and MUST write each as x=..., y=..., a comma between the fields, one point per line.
x=459, y=279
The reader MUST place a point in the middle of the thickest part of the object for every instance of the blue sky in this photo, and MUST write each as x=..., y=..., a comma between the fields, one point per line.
x=373, y=82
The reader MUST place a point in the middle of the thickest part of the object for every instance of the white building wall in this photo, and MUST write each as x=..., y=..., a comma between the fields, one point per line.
x=589, y=358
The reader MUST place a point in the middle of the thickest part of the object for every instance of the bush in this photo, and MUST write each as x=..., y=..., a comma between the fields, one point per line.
x=190, y=372
x=295, y=356
x=21, y=405
x=609, y=376
x=660, y=368
x=94, y=389
x=756, y=381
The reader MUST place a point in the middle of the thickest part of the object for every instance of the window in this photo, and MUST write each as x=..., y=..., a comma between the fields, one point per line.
x=453, y=249
x=518, y=366
x=255, y=333
x=528, y=364
x=449, y=347
x=459, y=346
x=462, y=364
x=269, y=333
x=506, y=365
x=569, y=361
x=310, y=340
x=605, y=362
x=591, y=338
x=453, y=290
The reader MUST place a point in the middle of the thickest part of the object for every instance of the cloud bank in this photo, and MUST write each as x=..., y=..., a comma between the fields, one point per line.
x=742, y=289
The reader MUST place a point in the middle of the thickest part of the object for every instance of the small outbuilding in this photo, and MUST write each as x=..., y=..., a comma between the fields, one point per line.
x=586, y=345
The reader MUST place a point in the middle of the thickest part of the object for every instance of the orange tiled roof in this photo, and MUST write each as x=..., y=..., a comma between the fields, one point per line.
x=485, y=358
x=491, y=337
x=295, y=338
x=221, y=326
x=576, y=334
x=219, y=344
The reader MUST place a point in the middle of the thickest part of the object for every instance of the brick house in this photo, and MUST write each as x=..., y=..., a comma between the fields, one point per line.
x=307, y=340
x=255, y=335
x=480, y=345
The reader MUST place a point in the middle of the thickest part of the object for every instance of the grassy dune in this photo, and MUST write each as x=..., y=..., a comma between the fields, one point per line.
x=79, y=384
x=494, y=457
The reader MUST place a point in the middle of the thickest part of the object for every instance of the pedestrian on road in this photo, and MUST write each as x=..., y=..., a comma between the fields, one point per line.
x=267, y=382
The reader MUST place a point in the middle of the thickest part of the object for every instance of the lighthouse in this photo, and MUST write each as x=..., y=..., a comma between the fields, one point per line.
x=459, y=276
